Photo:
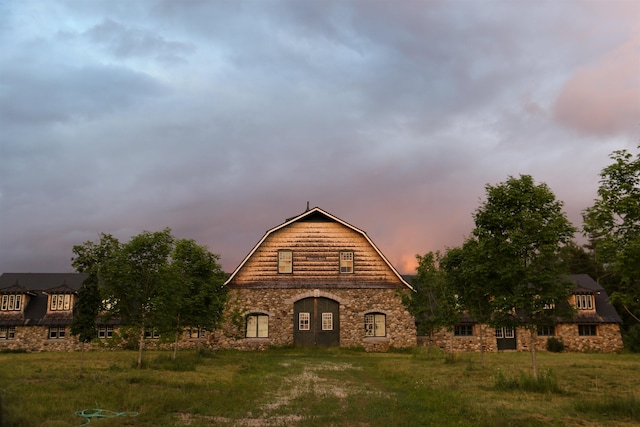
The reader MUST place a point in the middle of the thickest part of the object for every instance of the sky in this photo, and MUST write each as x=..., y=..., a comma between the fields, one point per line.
x=220, y=119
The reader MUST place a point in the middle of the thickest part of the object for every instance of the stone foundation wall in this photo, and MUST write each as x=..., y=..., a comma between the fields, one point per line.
x=354, y=304
x=607, y=340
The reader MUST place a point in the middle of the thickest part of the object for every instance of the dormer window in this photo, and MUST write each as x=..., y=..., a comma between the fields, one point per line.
x=285, y=261
x=346, y=262
x=11, y=303
x=584, y=302
x=60, y=302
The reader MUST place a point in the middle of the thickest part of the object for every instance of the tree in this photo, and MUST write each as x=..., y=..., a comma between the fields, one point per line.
x=613, y=227
x=154, y=281
x=468, y=276
x=433, y=305
x=199, y=297
x=88, y=259
x=520, y=229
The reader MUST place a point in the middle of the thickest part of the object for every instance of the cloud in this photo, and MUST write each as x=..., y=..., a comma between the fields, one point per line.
x=603, y=98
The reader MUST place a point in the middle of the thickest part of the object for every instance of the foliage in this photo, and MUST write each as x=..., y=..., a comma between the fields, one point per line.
x=154, y=281
x=433, y=304
x=555, y=345
x=511, y=263
x=613, y=227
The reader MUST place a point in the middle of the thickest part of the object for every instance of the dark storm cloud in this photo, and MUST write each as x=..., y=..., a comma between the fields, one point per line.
x=221, y=119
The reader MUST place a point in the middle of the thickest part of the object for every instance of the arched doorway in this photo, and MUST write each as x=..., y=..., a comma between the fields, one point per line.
x=316, y=322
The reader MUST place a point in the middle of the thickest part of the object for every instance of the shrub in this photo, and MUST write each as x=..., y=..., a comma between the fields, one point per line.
x=554, y=345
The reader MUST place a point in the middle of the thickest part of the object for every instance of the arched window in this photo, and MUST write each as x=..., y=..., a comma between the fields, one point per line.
x=257, y=326
x=375, y=325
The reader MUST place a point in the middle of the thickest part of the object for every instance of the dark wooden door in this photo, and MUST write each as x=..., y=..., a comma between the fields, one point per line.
x=506, y=338
x=316, y=322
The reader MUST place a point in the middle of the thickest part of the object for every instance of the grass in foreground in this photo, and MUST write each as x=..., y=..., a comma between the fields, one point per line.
x=337, y=387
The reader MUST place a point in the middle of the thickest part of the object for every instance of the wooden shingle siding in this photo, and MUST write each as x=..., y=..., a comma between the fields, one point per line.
x=316, y=247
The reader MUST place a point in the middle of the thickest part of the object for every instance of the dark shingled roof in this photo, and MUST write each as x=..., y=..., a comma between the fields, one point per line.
x=39, y=285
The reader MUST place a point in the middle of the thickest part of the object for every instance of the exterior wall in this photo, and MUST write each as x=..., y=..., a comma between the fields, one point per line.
x=354, y=304
x=36, y=338
x=316, y=246
x=607, y=340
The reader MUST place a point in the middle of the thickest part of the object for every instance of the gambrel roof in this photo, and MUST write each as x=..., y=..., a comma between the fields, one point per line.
x=317, y=213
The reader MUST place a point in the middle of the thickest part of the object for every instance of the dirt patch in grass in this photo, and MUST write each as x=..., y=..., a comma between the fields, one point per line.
x=309, y=383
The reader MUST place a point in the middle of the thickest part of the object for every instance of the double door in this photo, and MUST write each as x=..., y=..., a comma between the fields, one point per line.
x=316, y=322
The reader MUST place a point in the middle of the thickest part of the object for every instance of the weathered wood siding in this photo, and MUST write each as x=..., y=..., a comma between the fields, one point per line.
x=316, y=246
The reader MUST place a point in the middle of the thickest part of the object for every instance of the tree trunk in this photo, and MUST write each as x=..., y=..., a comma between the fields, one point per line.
x=534, y=360
x=481, y=345
x=81, y=356
x=140, y=347
x=175, y=346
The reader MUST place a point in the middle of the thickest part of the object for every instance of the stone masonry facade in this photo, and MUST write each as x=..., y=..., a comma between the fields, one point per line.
x=607, y=339
x=354, y=304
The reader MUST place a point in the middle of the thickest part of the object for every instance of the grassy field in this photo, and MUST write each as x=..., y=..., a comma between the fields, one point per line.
x=294, y=387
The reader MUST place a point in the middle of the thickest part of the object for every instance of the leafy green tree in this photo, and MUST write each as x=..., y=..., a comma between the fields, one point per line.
x=88, y=259
x=433, y=305
x=613, y=227
x=199, y=297
x=520, y=229
x=468, y=276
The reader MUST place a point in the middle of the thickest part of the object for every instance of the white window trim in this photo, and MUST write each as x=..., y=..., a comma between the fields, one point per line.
x=346, y=262
x=257, y=325
x=327, y=321
x=285, y=261
x=304, y=321
x=375, y=325
x=584, y=302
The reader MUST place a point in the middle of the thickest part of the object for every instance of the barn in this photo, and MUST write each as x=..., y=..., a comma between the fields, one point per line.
x=316, y=281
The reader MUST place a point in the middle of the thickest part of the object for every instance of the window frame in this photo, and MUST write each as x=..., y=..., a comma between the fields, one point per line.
x=105, y=331
x=7, y=332
x=584, y=302
x=327, y=321
x=463, y=330
x=57, y=332
x=11, y=302
x=346, y=262
x=60, y=302
x=375, y=325
x=285, y=266
x=261, y=329
x=582, y=328
x=546, y=330
x=304, y=321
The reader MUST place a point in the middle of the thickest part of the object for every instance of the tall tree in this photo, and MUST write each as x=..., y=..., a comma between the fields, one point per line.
x=88, y=259
x=613, y=226
x=521, y=228
x=469, y=276
x=433, y=304
x=199, y=297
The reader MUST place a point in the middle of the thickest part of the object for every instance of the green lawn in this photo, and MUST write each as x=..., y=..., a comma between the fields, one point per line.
x=292, y=387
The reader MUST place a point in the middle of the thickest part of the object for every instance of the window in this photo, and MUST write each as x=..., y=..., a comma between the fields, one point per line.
x=151, y=334
x=285, y=261
x=11, y=302
x=57, y=332
x=546, y=331
x=327, y=321
x=587, y=330
x=375, y=325
x=584, y=302
x=505, y=333
x=7, y=332
x=197, y=333
x=257, y=326
x=105, y=331
x=346, y=261
x=304, y=321
x=463, y=330
x=60, y=302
